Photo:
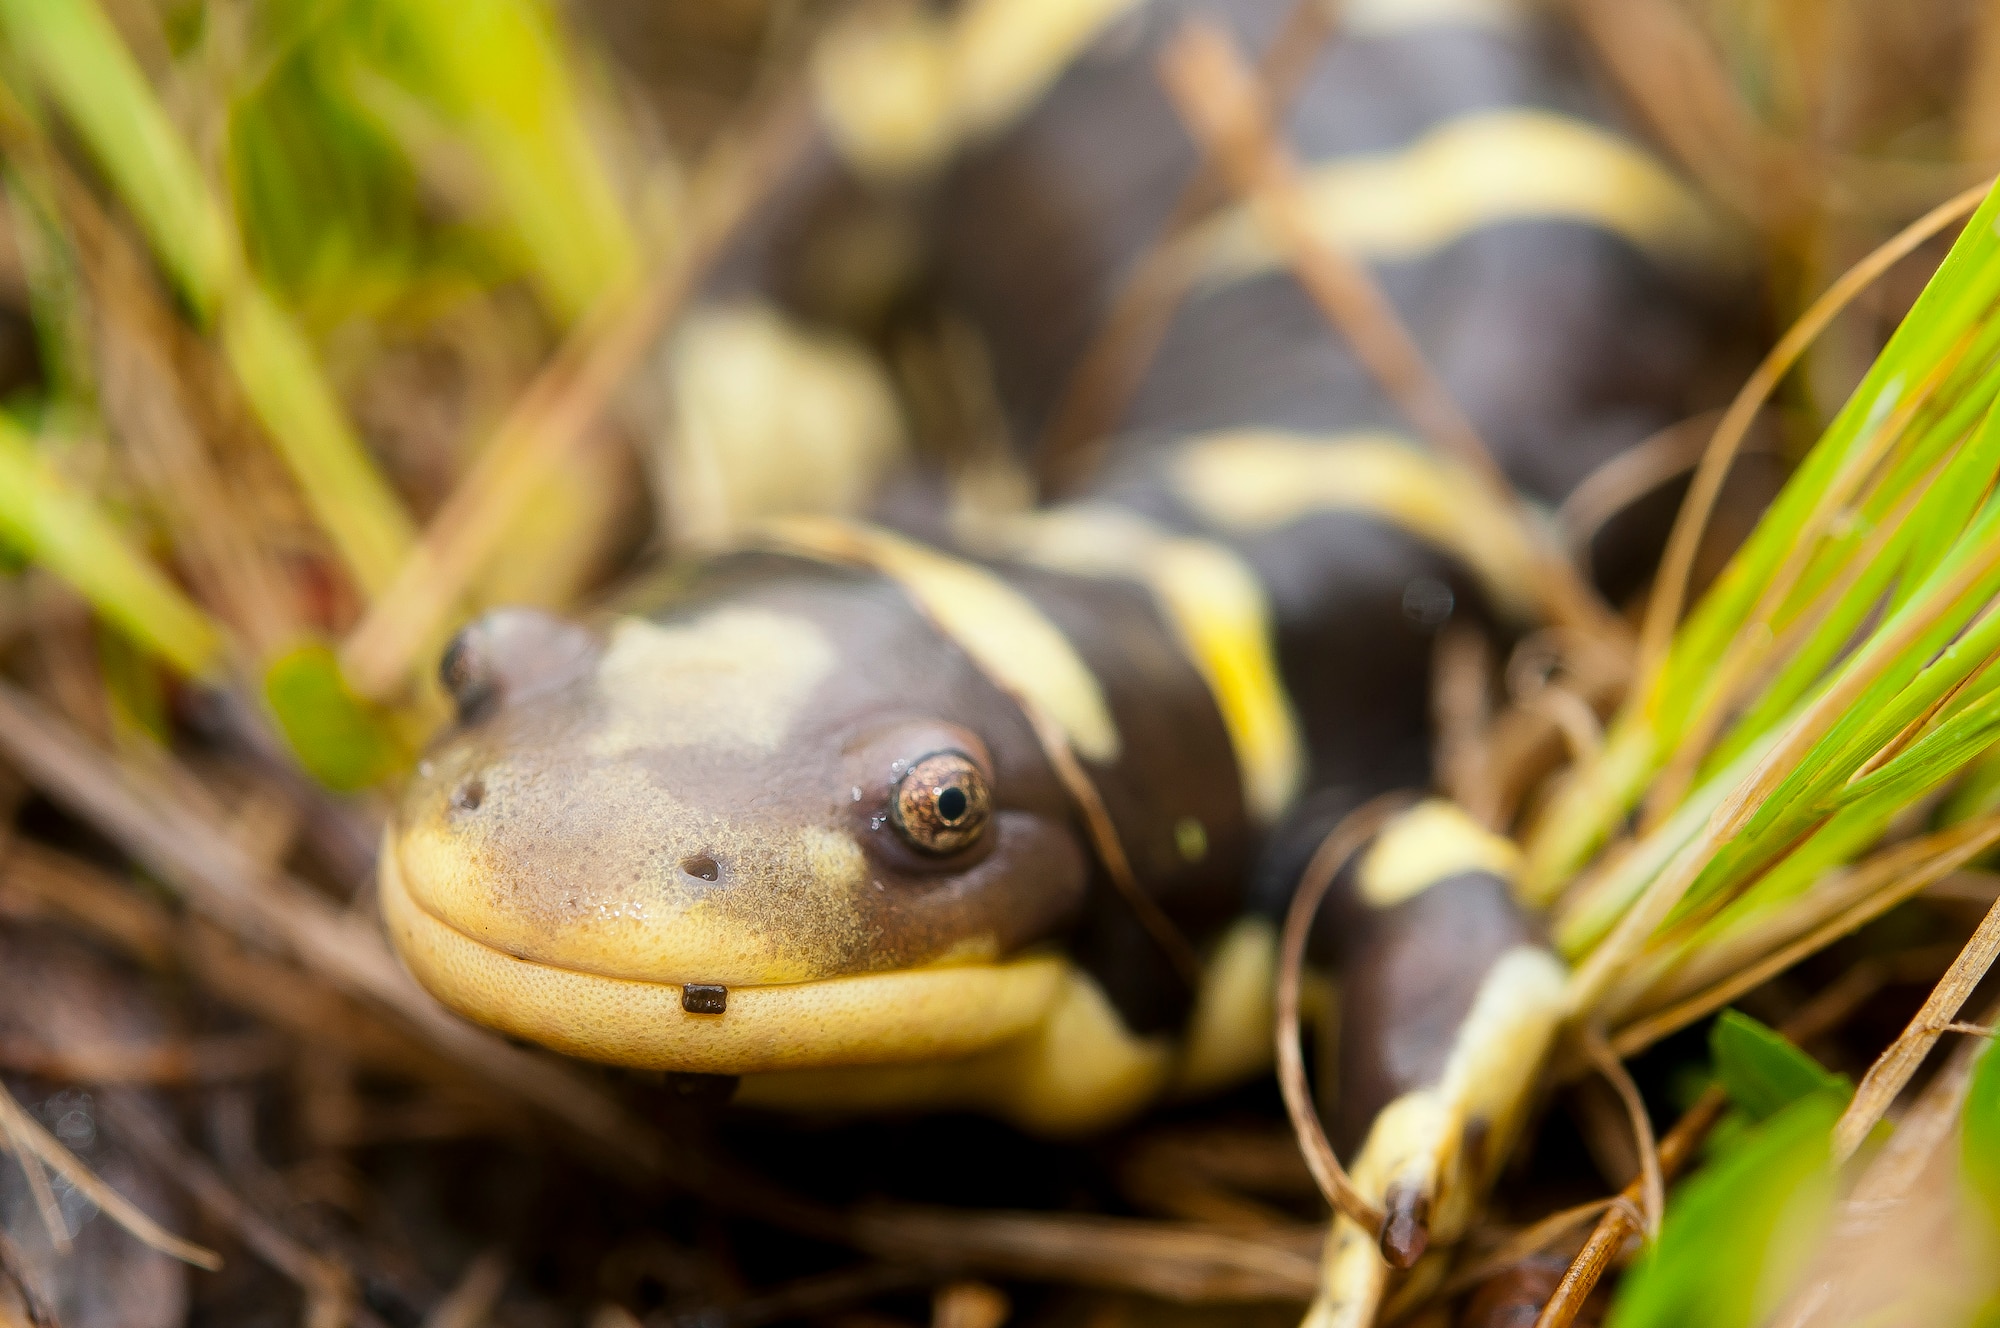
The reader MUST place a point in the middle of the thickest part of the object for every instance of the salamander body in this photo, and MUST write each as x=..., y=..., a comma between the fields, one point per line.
x=838, y=810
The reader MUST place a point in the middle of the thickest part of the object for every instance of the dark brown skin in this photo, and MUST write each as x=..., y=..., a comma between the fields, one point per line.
x=521, y=781
x=708, y=792
x=1409, y=974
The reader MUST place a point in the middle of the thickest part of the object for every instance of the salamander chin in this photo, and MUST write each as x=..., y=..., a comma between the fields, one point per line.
x=927, y=1013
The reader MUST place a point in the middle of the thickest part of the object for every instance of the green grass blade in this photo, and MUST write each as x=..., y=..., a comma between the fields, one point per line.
x=1979, y=1138
x=347, y=494
x=48, y=521
x=76, y=54
x=1736, y=1235
x=498, y=71
x=1930, y=382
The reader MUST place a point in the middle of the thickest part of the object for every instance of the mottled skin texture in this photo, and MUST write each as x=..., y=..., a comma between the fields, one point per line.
x=728, y=737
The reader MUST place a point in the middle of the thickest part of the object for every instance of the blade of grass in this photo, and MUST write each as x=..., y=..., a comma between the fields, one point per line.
x=75, y=54
x=1851, y=902
x=1957, y=304
x=78, y=56
x=552, y=416
x=498, y=69
x=1669, y=593
x=48, y=521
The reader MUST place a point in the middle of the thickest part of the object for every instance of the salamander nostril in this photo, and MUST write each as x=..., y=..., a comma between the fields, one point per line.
x=702, y=868
x=469, y=795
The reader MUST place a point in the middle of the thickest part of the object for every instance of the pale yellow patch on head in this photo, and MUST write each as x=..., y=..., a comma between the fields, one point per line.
x=731, y=678
x=832, y=856
x=1429, y=843
x=1006, y=634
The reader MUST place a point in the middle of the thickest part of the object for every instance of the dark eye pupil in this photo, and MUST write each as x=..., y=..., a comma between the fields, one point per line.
x=951, y=803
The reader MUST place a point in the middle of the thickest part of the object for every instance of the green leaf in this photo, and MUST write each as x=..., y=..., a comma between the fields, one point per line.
x=337, y=738
x=1979, y=1144
x=1737, y=1234
x=1763, y=1071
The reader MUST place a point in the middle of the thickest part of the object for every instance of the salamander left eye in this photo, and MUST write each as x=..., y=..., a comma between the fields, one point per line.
x=941, y=803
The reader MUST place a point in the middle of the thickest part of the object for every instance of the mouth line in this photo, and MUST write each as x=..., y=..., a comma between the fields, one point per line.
x=675, y=984
x=925, y=1013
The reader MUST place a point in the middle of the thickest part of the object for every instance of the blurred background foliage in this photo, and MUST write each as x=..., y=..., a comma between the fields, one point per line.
x=336, y=241
x=284, y=284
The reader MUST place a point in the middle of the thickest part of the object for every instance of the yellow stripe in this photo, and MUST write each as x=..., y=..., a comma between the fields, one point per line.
x=1472, y=172
x=1216, y=607
x=1431, y=842
x=1004, y=632
x=899, y=92
x=1253, y=480
x=1370, y=18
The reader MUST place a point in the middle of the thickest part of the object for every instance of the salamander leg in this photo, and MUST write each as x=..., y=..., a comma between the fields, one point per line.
x=1449, y=1000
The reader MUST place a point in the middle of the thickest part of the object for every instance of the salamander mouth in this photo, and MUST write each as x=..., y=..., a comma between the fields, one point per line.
x=930, y=1013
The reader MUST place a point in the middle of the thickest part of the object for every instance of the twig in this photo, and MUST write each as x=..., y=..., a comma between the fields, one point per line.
x=179, y=1061
x=969, y=1305
x=220, y=880
x=1663, y=607
x=559, y=408
x=1652, y=1184
x=1171, y=1261
x=1679, y=87
x=15, y=1269
x=1622, y=1221
x=1220, y=102
x=39, y=1188
x=1893, y=1068
x=1819, y=1015
x=28, y=1136
x=1527, y=1243
x=1629, y=476
x=806, y=1298
x=1341, y=844
x=329, y=1287
x=1905, y=1161
x=1110, y=846
x=468, y=1304
x=1462, y=717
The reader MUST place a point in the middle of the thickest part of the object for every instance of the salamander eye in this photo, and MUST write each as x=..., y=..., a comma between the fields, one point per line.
x=941, y=803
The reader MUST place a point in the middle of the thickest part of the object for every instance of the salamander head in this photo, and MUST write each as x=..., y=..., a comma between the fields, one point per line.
x=794, y=805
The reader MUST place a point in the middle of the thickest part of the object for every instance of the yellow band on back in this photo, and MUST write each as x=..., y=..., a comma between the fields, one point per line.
x=1253, y=480
x=1472, y=172
x=1218, y=609
x=899, y=93
x=1431, y=842
x=1006, y=634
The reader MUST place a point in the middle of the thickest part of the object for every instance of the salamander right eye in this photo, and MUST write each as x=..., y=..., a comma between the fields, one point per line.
x=941, y=803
